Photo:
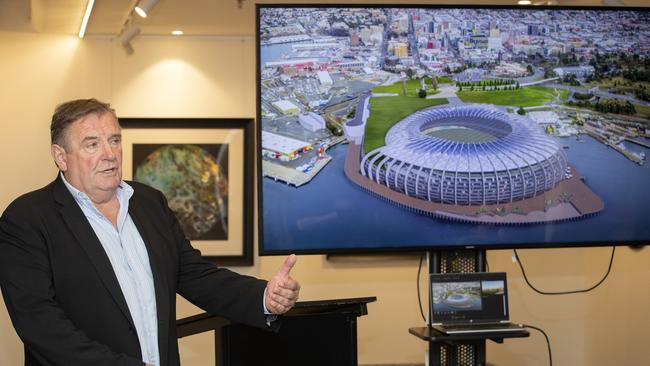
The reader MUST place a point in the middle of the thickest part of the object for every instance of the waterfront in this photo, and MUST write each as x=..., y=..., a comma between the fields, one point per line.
x=332, y=212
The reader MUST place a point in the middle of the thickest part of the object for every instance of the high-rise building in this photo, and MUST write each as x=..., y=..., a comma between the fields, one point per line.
x=494, y=41
x=403, y=24
x=431, y=26
x=401, y=50
x=365, y=35
x=533, y=30
x=354, y=38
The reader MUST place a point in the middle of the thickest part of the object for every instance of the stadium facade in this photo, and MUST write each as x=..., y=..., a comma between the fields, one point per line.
x=467, y=155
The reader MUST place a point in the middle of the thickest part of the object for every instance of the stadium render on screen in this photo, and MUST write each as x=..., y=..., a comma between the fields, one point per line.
x=492, y=126
x=458, y=300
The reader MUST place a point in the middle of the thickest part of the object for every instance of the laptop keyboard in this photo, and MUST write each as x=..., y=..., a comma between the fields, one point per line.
x=480, y=328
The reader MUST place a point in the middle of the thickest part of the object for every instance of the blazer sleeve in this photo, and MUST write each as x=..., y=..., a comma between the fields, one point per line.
x=216, y=290
x=27, y=287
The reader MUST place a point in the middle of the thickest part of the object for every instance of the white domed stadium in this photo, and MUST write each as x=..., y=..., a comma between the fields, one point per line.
x=467, y=155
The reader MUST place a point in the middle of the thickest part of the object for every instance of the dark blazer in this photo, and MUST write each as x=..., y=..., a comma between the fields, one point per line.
x=64, y=298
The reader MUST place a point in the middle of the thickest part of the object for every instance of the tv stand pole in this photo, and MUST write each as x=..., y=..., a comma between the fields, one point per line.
x=456, y=352
x=457, y=349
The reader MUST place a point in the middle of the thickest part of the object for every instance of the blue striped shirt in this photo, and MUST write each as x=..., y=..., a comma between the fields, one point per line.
x=128, y=256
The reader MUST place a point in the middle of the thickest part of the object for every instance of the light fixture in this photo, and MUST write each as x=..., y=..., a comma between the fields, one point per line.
x=524, y=2
x=84, y=22
x=177, y=32
x=130, y=32
x=144, y=7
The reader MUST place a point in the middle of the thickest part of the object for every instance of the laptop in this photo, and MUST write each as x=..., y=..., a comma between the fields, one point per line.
x=471, y=303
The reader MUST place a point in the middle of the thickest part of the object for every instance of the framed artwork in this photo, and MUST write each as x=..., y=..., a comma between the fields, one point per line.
x=204, y=167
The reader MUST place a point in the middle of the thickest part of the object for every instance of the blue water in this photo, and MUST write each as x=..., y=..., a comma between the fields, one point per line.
x=330, y=212
x=274, y=52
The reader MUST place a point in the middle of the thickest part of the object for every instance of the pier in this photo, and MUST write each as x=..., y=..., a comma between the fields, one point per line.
x=644, y=144
x=628, y=154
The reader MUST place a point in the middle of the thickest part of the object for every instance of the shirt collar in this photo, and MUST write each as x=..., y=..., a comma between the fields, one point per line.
x=123, y=193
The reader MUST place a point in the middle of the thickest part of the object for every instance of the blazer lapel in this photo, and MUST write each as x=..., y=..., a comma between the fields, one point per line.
x=78, y=224
x=158, y=271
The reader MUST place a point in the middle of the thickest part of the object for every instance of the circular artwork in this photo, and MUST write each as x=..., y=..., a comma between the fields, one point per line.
x=194, y=184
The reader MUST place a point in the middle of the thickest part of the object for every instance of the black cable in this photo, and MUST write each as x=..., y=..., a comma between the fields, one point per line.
x=609, y=268
x=548, y=343
x=417, y=284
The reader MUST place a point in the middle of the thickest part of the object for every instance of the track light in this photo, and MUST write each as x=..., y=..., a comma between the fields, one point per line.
x=84, y=21
x=130, y=32
x=144, y=7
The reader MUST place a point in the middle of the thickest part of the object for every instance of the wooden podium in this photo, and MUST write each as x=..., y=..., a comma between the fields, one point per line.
x=315, y=333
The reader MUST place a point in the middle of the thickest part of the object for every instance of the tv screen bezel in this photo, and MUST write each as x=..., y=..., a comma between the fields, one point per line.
x=262, y=251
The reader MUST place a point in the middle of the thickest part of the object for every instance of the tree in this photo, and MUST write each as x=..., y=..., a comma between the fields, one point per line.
x=529, y=68
x=549, y=74
x=434, y=82
x=410, y=73
x=642, y=94
x=422, y=93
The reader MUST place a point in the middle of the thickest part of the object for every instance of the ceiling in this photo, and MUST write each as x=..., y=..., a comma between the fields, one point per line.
x=194, y=17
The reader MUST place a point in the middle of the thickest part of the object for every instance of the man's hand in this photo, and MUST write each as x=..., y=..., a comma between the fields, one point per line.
x=282, y=290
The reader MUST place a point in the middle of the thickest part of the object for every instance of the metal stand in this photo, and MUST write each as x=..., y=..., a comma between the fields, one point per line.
x=466, y=353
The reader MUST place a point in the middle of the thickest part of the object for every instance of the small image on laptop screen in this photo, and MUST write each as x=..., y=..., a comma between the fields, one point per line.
x=476, y=296
x=493, y=297
x=450, y=297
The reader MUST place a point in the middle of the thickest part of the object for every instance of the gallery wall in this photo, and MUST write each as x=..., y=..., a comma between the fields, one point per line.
x=215, y=77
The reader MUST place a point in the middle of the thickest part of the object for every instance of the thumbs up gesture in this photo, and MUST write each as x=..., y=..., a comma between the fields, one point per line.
x=282, y=290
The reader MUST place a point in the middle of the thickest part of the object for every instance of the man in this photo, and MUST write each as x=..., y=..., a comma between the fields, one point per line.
x=90, y=265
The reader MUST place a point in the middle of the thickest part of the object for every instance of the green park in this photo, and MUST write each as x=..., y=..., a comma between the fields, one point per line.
x=386, y=111
x=413, y=86
x=528, y=96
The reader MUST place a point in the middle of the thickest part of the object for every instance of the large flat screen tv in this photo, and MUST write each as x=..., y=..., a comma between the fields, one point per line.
x=416, y=128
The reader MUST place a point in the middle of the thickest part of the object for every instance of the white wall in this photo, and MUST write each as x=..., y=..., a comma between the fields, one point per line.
x=204, y=77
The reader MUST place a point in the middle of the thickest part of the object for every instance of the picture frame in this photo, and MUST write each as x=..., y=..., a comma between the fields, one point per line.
x=209, y=160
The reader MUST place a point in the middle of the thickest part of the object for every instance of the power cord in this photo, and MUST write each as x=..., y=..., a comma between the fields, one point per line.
x=548, y=343
x=417, y=284
x=523, y=272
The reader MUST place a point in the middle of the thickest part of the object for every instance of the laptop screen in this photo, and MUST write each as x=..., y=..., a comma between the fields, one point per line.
x=469, y=297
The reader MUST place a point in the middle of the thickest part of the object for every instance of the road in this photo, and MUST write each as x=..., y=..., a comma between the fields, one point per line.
x=413, y=43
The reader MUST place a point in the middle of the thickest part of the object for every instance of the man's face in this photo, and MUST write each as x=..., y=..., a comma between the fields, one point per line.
x=92, y=157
